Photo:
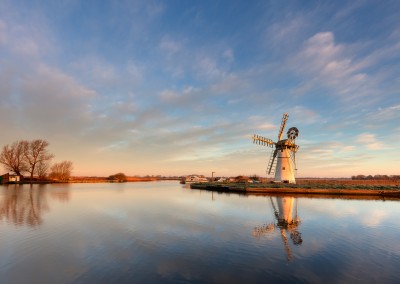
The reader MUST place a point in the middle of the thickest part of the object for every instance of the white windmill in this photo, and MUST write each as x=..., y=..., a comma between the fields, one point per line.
x=282, y=162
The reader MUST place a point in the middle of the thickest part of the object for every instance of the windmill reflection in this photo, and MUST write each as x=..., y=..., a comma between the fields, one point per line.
x=287, y=220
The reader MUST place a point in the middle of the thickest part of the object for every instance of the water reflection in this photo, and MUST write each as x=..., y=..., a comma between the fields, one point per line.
x=286, y=220
x=61, y=195
x=163, y=233
x=25, y=204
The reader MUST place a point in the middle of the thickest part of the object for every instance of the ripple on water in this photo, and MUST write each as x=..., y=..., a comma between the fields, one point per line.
x=173, y=236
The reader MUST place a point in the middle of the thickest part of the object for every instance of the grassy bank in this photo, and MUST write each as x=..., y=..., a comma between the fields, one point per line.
x=304, y=189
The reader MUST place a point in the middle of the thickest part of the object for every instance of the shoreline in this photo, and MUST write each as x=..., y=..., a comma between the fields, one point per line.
x=90, y=180
x=303, y=191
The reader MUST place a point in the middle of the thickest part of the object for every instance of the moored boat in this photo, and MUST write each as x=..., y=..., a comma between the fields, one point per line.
x=193, y=179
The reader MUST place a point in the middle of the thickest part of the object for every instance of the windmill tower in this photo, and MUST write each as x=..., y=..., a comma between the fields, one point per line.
x=282, y=162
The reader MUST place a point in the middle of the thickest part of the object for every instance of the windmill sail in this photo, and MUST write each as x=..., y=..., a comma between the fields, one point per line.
x=283, y=123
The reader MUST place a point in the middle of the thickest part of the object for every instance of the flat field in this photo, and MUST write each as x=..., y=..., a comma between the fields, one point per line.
x=348, y=182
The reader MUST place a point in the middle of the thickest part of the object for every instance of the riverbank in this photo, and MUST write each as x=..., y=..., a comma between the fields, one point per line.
x=389, y=191
x=91, y=180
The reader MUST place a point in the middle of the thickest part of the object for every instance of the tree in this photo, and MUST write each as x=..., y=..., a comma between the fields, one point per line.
x=255, y=177
x=35, y=152
x=41, y=170
x=61, y=171
x=12, y=157
x=119, y=177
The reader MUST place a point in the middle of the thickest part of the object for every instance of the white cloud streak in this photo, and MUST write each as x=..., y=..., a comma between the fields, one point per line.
x=370, y=141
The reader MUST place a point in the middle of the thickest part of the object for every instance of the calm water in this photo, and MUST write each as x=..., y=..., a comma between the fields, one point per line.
x=163, y=232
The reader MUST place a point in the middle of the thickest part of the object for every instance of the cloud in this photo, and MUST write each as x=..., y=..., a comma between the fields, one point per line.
x=186, y=98
x=50, y=97
x=169, y=95
x=208, y=67
x=173, y=55
x=96, y=70
x=305, y=115
x=114, y=146
x=228, y=55
x=321, y=48
x=381, y=115
x=348, y=10
x=284, y=34
x=332, y=65
x=370, y=141
x=3, y=35
x=134, y=71
x=384, y=54
x=26, y=40
x=124, y=108
x=26, y=46
x=230, y=83
x=170, y=46
x=154, y=9
x=333, y=158
x=266, y=126
x=349, y=148
x=130, y=84
x=42, y=100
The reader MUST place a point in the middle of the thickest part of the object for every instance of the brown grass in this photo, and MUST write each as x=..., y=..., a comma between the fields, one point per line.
x=393, y=182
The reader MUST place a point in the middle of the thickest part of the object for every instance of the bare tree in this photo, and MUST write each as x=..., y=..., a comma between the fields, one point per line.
x=35, y=152
x=61, y=171
x=41, y=169
x=12, y=157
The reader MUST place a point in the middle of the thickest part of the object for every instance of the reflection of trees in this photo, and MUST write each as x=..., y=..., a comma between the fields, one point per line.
x=23, y=206
x=61, y=195
x=286, y=221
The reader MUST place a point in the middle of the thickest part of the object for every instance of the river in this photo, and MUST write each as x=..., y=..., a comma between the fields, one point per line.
x=163, y=232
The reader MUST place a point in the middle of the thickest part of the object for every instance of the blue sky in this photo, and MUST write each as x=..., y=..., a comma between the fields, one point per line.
x=179, y=87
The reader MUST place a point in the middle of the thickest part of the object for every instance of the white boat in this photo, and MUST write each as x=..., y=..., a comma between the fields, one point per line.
x=194, y=179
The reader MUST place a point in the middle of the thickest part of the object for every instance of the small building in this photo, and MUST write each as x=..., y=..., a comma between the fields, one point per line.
x=10, y=178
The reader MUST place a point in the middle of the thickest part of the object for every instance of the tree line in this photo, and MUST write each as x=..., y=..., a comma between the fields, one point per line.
x=375, y=177
x=33, y=157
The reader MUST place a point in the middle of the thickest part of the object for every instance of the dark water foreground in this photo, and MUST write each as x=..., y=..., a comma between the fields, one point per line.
x=162, y=232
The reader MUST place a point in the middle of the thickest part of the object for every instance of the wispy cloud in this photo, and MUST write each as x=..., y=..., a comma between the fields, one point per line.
x=286, y=33
x=174, y=87
x=385, y=114
x=3, y=35
x=370, y=141
x=228, y=54
x=169, y=45
x=329, y=64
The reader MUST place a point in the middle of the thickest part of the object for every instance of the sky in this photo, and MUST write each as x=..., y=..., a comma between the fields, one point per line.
x=179, y=87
